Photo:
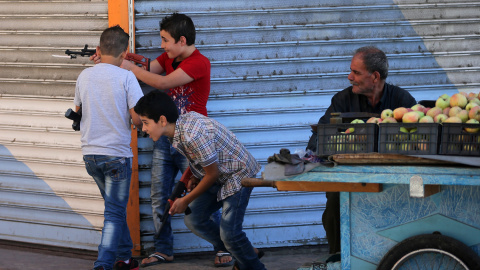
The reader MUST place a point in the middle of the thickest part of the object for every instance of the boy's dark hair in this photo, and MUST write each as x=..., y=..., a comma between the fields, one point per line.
x=374, y=60
x=178, y=25
x=113, y=41
x=155, y=104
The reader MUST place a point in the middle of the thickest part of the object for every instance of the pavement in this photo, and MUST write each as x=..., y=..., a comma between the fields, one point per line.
x=21, y=256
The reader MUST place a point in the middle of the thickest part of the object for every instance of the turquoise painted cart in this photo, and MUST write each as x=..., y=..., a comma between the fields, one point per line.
x=430, y=202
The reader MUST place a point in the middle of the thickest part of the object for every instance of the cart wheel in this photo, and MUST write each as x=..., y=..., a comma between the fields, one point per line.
x=430, y=251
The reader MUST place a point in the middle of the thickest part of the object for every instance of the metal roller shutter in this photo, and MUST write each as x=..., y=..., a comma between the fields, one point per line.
x=46, y=196
x=276, y=65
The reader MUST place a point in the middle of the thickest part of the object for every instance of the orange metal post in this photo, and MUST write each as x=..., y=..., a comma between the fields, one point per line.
x=118, y=15
x=133, y=207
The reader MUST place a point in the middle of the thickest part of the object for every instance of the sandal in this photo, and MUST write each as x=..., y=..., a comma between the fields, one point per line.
x=160, y=260
x=224, y=254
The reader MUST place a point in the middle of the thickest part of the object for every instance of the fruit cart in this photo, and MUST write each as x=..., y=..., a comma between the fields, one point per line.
x=399, y=211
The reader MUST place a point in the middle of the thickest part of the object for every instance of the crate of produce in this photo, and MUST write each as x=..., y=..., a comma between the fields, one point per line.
x=409, y=138
x=346, y=138
x=460, y=139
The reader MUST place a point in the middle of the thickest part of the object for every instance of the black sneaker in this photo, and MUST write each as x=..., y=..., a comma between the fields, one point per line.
x=121, y=265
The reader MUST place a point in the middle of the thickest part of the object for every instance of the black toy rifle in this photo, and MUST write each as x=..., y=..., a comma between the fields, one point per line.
x=138, y=59
x=178, y=191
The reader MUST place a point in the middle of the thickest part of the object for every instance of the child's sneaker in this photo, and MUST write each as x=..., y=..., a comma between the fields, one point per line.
x=121, y=265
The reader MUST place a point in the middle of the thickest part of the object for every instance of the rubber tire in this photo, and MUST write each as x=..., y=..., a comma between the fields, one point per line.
x=432, y=241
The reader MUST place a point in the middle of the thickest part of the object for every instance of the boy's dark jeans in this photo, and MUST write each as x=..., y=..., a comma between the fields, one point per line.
x=228, y=235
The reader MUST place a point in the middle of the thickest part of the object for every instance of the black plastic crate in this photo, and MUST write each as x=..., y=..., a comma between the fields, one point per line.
x=457, y=141
x=409, y=138
x=336, y=139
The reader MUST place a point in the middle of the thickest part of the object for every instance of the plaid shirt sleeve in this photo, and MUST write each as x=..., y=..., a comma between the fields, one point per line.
x=200, y=143
x=205, y=141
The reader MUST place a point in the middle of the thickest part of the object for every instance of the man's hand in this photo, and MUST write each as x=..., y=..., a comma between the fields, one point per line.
x=178, y=206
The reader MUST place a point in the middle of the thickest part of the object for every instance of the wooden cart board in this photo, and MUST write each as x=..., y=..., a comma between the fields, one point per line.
x=312, y=186
x=378, y=159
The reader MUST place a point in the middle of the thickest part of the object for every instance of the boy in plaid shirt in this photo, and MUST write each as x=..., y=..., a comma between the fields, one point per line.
x=218, y=162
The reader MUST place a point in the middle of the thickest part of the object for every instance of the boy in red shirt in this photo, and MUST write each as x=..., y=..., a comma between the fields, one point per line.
x=185, y=73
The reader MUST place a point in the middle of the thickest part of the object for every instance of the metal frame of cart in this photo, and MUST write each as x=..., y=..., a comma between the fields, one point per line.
x=383, y=204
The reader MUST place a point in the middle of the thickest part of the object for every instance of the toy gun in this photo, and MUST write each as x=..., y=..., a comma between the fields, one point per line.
x=84, y=52
x=178, y=191
x=75, y=117
x=136, y=58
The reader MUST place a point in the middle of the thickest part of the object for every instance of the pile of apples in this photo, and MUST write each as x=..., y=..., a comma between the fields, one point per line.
x=459, y=108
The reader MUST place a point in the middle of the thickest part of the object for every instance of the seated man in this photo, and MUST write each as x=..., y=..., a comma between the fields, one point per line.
x=369, y=93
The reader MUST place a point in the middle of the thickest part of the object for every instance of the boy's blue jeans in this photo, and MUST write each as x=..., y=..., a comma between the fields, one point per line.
x=166, y=163
x=112, y=175
x=228, y=235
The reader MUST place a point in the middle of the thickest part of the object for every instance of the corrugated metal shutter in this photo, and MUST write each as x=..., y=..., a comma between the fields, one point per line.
x=276, y=65
x=46, y=196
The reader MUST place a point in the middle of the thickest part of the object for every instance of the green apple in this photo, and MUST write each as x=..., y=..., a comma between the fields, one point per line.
x=475, y=100
x=471, y=96
x=389, y=120
x=446, y=111
x=434, y=112
x=463, y=114
x=458, y=100
x=426, y=119
x=454, y=111
x=473, y=130
x=474, y=113
x=443, y=101
x=420, y=114
x=440, y=118
x=386, y=113
x=453, y=119
x=357, y=121
x=418, y=107
x=470, y=105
